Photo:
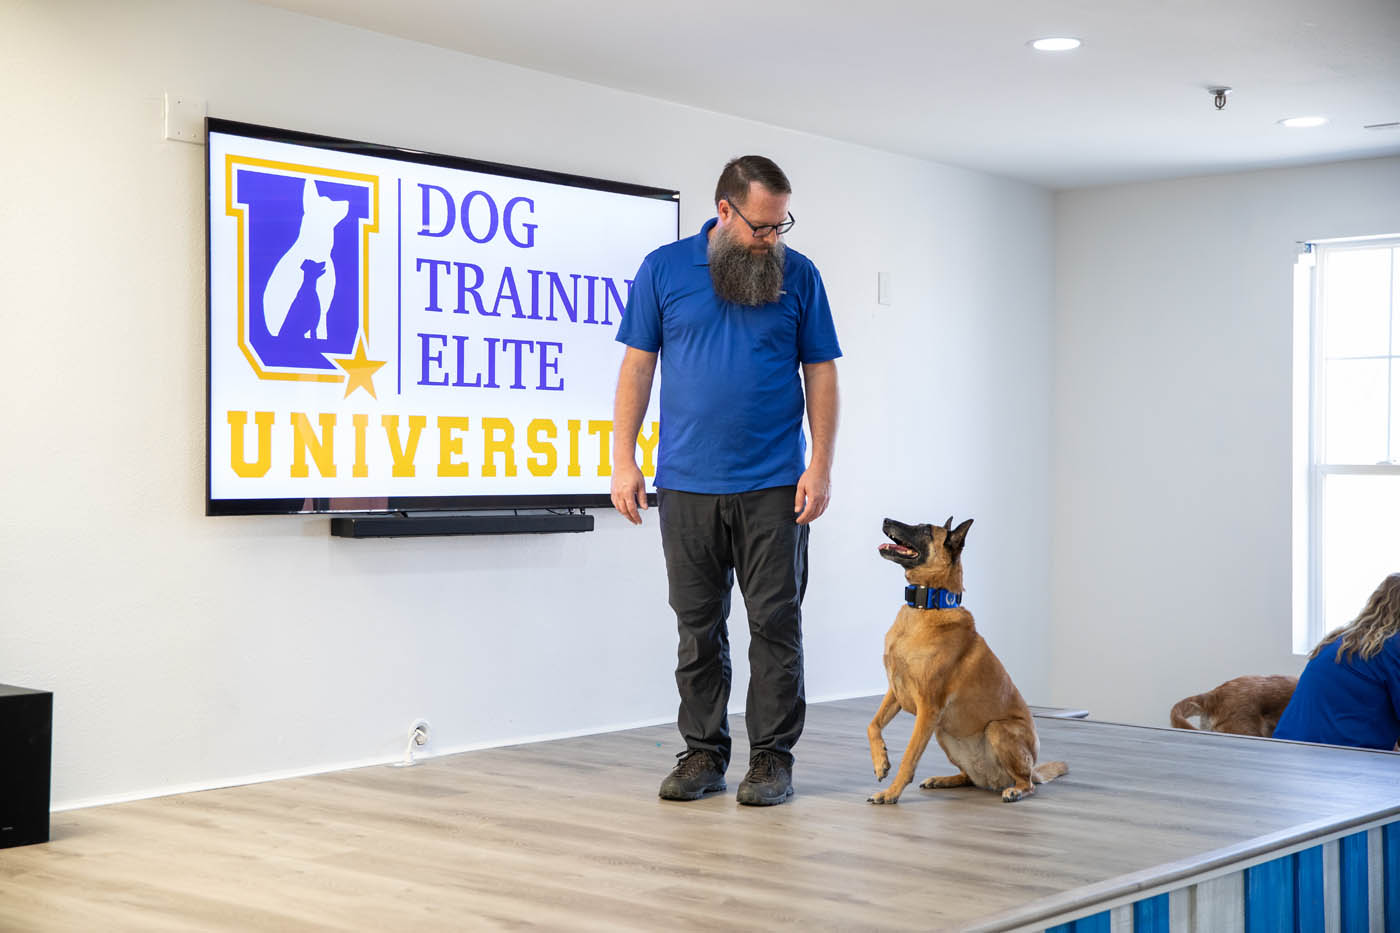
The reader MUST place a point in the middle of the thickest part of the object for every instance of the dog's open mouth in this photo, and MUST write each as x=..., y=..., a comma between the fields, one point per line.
x=907, y=545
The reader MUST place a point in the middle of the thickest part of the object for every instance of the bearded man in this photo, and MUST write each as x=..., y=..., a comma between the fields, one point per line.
x=734, y=315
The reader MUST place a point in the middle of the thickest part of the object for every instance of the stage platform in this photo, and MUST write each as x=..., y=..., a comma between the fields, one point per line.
x=1152, y=829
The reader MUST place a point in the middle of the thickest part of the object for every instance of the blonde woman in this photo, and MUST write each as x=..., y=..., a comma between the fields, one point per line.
x=1349, y=693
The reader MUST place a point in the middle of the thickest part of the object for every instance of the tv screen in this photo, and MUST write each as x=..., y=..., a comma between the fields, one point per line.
x=392, y=330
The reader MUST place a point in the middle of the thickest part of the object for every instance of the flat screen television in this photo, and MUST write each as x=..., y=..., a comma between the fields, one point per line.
x=400, y=331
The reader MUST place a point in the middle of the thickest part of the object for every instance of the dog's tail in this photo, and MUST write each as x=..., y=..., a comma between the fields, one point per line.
x=1191, y=706
x=1048, y=771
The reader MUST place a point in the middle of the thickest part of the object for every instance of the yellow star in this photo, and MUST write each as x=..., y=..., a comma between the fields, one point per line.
x=359, y=370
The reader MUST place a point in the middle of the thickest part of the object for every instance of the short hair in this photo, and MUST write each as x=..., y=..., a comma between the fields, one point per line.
x=738, y=173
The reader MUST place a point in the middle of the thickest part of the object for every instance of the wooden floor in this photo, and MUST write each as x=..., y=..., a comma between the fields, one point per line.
x=570, y=835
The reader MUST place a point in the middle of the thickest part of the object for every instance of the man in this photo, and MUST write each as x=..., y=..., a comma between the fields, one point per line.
x=732, y=313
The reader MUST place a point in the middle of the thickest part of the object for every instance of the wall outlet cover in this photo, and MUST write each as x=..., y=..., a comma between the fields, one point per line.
x=184, y=118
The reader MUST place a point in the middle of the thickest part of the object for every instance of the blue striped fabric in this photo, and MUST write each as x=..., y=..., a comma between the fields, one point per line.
x=1098, y=923
x=1268, y=897
x=1309, y=908
x=1153, y=915
x=1286, y=894
x=1356, y=911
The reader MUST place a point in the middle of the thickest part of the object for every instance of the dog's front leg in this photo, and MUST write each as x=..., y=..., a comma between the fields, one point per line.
x=879, y=756
x=325, y=291
x=923, y=730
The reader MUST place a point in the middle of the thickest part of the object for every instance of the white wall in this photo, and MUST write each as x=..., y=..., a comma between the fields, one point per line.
x=1171, y=542
x=186, y=651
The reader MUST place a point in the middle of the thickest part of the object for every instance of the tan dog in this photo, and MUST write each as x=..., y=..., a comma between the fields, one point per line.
x=1248, y=705
x=942, y=671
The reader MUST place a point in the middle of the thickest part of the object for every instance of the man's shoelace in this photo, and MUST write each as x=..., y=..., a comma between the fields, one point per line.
x=764, y=767
x=694, y=763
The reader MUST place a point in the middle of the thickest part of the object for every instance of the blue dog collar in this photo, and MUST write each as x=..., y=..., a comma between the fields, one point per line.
x=921, y=597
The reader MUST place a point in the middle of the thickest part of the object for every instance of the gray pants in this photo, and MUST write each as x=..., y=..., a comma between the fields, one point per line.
x=706, y=538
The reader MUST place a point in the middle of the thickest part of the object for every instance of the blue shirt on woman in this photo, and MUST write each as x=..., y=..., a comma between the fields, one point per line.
x=1354, y=703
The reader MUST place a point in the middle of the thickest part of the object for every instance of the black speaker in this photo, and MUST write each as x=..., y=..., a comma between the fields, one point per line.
x=26, y=748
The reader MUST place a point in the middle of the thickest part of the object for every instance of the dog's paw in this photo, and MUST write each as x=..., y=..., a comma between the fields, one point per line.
x=883, y=796
x=1011, y=795
x=882, y=769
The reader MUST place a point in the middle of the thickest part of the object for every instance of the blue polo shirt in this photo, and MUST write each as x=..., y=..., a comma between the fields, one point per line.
x=731, y=394
x=1353, y=703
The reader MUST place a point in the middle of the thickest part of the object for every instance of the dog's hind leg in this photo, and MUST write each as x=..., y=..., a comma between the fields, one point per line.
x=923, y=731
x=879, y=755
x=1014, y=744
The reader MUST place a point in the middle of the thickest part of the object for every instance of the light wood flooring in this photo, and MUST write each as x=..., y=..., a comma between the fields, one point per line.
x=569, y=835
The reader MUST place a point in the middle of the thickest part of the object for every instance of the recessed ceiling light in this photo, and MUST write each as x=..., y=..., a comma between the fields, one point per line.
x=1302, y=123
x=1054, y=44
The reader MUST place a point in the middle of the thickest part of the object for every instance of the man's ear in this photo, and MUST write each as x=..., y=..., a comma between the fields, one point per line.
x=956, y=537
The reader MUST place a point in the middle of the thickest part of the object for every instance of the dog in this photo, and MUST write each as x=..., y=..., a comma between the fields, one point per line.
x=306, y=263
x=942, y=671
x=1249, y=705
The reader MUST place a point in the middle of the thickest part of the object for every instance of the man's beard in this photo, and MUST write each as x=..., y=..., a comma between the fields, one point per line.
x=744, y=277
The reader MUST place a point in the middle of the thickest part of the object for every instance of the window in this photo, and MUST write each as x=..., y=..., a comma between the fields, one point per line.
x=1346, y=430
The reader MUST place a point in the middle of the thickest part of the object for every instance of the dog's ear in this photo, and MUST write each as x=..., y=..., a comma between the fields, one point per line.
x=956, y=537
x=948, y=525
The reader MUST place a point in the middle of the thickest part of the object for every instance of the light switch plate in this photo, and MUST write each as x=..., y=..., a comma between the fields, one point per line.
x=184, y=118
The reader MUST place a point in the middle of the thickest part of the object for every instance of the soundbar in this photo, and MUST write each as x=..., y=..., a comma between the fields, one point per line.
x=507, y=523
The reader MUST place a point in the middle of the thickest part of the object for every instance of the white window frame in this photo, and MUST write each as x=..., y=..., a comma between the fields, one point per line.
x=1309, y=473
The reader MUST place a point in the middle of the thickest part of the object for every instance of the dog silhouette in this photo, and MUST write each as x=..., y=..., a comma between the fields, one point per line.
x=319, y=218
x=305, y=313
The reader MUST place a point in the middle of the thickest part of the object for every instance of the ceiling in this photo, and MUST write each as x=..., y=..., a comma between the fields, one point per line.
x=956, y=83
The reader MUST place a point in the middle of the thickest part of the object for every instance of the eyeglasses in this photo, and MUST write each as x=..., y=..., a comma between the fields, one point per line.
x=762, y=230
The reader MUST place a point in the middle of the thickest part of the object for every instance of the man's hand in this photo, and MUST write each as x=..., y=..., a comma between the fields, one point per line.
x=813, y=494
x=629, y=490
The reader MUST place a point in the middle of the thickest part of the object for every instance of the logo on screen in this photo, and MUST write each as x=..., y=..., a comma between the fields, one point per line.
x=303, y=278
